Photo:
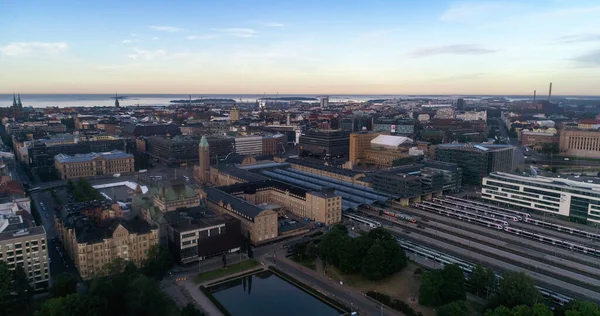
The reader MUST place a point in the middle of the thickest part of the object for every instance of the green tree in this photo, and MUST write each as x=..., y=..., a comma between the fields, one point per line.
x=63, y=285
x=71, y=305
x=157, y=263
x=431, y=283
x=456, y=308
x=499, y=311
x=374, y=263
x=349, y=257
x=453, y=288
x=311, y=251
x=541, y=310
x=144, y=297
x=482, y=280
x=191, y=310
x=581, y=308
x=516, y=288
x=15, y=291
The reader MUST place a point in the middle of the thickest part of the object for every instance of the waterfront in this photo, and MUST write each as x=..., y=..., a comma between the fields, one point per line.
x=267, y=294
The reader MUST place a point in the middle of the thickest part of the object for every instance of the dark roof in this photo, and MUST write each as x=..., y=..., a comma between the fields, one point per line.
x=311, y=164
x=86, y=232
x=240, y=173
x=194, y=218
x=252, y=187
x=239, y=205
x=151, y=129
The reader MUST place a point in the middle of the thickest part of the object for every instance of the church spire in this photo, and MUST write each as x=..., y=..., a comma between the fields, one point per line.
x=19, y=101
x=14, y=100
x=117, y=100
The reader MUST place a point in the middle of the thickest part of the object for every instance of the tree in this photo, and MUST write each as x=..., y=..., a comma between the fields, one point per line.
x=374, y=263
x=482, y=280
x=144, y=297
x=71, y=305
x=581, y=308
x=429, y=293
x=15, y=291
x=157, y=263
x=520, y=310
x=498, y=311
x=457, y=308
x=63, y=285
x=190, y=310
x=453, y=288
x=541, y=310
x=516, y=288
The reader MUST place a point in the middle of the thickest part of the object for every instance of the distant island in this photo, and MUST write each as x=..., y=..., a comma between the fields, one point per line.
x=204, y=101
x=289, y=99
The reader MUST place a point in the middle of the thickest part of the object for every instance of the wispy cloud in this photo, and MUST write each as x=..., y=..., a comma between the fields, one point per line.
x=588, y=60
x=165, y=28
x=146, y=54
x=578, y=38
x=133, y=34
x=271, y=24
x=129, y=41
x=466, y=11
x=460, y=49
x=201, y=37
x=236, y=32
x=33, y=48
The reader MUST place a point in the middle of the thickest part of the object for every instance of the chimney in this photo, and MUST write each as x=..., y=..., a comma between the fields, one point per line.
x=534, y=92
x=550, y=93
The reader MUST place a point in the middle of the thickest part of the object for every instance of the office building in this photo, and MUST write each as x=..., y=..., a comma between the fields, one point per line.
x=460, y=104
x=137, y=130
x=576, y=201
x=324, y=101
x=23, y=244
x=176, y=151
x=356, y=123
x=195, y=235
x=234, y=114
x=93, y=235
x=220, y=147
x=580, y=143
x=325, y=143
x=274, y=144
x=249, y=145
x=393, y=126
x=93, y=164
x=378, y=149
x=40, y=154
x=476, y=161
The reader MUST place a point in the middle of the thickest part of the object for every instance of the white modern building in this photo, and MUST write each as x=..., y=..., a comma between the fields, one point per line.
x=249, y=145
x=576, y=200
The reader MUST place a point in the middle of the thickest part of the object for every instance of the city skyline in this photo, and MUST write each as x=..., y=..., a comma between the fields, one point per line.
x=308, y=47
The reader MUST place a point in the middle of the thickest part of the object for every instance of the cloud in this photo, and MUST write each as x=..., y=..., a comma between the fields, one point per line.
x=588, y=60
x=155, y=38
x=129, y=41
x=33, y=48
x=146, y=54
x=163, y=28
x=578, y=38
x=236, y=32
x=201, y=37
x=477, y=10
x=459, y=49
x=133, y=34
x=271, y=24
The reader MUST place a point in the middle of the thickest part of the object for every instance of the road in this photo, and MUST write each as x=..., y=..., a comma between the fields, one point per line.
x=59, y=264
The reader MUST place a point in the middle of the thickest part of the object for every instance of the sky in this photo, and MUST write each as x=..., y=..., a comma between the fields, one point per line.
x=300, y=47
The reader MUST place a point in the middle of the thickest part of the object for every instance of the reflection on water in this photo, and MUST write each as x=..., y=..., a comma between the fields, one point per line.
x=266, y=294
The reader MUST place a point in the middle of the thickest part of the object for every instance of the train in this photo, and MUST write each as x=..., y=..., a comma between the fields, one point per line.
x=366, y=221
x=490, y=206
x=467, y=218
x=480, y=209
x=466, y=213
x=554, y=241
x=467, y=267
x=562, y=228
x=397, y=215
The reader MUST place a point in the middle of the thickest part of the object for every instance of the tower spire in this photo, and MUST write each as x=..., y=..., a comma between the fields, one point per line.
x=14, y=100
x=117, y=100
x=19, y=100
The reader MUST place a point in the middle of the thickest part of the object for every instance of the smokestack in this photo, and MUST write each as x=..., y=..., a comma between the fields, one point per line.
x=550, y=93
x=534, y=92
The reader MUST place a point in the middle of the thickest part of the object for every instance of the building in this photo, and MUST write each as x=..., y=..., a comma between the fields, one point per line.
x=23, y=244
x=93, y=164
x=137, y=130
x=460, y=104
x=329, y=143
x=357, y=123
x=324, y=101
x=204, y=159
x=234, y=114
x=249, y=145
x=529, y=138
x=274, y=144
x=476, y=161
x=576, y=201
x=91, y=244
x=378, y=149
x=41, y=153
x=260, y=225
x=195, y=235
x=175, y=151
x=17, y=106
x=393, y=126
x=220, y=147
x=580, y=143
x=359, y=144
x=175, y=196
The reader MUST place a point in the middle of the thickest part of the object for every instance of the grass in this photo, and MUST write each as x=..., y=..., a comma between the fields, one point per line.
x=222, y=272
x=403, y=285
x=307, y=263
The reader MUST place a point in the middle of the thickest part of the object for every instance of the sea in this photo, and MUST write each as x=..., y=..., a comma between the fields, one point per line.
x=90, y=100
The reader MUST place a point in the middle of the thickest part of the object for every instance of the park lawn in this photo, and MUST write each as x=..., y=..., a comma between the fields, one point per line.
x=221, y=272
x=403, y=286
x=307, y=263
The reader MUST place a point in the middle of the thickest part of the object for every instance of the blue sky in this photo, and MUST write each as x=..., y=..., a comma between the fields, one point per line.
x=346, y=46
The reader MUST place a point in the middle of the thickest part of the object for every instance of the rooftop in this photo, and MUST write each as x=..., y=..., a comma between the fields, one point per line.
x=239, y=205
x=194, y=218
x=115, y=154
x=392, y=141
